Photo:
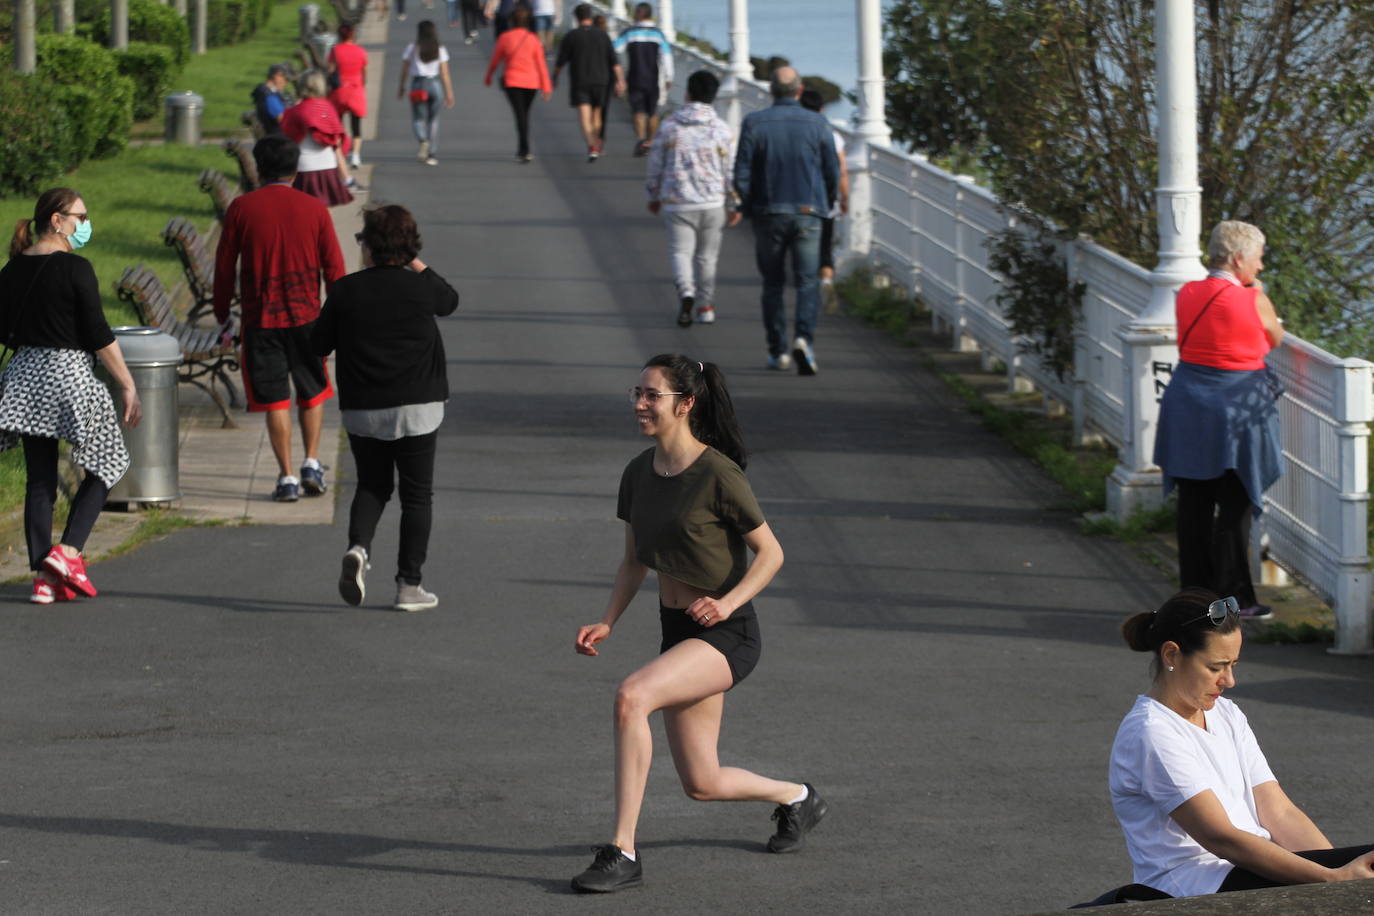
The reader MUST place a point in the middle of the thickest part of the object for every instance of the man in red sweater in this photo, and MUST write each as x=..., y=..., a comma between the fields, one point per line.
x=279, y=243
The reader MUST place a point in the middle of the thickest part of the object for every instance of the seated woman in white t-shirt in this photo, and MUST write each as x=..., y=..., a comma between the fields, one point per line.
x=1201, y=810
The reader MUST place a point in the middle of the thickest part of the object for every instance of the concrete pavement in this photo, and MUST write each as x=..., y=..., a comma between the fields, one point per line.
x=219, y=734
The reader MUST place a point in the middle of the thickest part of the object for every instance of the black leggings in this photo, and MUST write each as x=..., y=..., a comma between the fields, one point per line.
x=380, y=463
x=520, y=102
x=40, y=464
x=355, y=125
x=1241, y=880
x=1213, y=536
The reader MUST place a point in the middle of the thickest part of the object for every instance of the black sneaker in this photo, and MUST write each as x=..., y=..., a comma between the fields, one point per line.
x=610, y=871
x=684, y=312
x=796, y=821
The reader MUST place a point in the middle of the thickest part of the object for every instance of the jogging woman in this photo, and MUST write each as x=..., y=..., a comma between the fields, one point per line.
x=689, y=514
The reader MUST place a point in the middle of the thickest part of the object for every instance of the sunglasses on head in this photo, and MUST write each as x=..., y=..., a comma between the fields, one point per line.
x=1217, y=611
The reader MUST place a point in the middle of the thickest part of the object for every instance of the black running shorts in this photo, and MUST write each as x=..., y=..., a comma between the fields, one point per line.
x=275, y=359
x=736, y=637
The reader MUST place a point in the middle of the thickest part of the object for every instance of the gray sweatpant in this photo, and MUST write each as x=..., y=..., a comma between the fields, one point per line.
x=693, y=246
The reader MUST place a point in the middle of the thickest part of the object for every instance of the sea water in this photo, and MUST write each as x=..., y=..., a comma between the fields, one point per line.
x=818, y=36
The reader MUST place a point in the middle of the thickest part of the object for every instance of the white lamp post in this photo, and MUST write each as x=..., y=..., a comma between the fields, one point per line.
x=740, y=67
x=1149, y=339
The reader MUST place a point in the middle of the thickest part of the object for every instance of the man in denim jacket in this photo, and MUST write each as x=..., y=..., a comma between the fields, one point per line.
x=787, y=175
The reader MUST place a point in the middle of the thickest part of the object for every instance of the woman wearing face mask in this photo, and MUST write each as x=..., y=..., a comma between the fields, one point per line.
x=50, y=315
x=1201, y=810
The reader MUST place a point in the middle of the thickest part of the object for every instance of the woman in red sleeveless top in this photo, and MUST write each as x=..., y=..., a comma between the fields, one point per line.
x=1218, y=435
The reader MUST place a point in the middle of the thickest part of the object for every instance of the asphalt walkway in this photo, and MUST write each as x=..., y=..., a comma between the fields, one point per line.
x=217, y=733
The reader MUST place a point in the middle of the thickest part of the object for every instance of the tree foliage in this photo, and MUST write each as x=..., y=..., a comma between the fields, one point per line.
x=1055, y=98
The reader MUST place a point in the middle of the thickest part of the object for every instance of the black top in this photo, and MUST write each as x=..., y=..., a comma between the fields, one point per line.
x=52, y=300
x=381, y=320
x=591, y=54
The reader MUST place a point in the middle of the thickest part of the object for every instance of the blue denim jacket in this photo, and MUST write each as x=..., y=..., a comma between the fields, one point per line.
x=786, y=161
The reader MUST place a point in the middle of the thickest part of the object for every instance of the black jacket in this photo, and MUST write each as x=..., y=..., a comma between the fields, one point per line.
x=381, y=320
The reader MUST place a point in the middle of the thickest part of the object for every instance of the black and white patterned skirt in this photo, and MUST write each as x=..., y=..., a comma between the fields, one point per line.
x=54, y=394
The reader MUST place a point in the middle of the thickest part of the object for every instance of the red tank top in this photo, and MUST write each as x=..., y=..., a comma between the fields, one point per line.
x=1228, y=335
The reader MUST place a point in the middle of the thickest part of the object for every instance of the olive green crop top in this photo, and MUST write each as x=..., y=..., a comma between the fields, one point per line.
x=691, y=526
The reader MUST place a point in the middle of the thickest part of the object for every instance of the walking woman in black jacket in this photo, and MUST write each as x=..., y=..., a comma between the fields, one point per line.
x=392, y=388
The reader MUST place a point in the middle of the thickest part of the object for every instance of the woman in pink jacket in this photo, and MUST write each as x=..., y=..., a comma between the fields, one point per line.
x=526, y=73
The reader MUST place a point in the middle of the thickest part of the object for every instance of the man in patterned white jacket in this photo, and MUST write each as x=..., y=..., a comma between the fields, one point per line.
x=690, y=164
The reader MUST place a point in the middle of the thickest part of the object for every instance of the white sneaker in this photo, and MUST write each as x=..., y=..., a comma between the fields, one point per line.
x=355, y=160
x=430, y=160
x=804, y=355
x=782, y=362
x=352, y=586
x=414, y=597
x=706, y=315
x=423, y=154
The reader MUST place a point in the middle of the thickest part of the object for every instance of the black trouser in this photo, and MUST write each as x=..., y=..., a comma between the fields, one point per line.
x=1214, y=536
x=1241, y=880
x=40, y=464
x=379, y=463
x=472, y=16
x=520, y=102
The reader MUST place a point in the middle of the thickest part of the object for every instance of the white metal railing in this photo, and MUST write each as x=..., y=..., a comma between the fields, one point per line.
x=930, y=230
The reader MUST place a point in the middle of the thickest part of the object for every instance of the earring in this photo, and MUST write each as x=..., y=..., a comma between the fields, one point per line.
x=1170, y=668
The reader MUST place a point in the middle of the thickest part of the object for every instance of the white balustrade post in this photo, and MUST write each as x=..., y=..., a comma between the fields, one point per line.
x=740, y=67
x=617, y=9
x=665, y=19
x=1148, y=340
x=871, y=129
x=1354, y=409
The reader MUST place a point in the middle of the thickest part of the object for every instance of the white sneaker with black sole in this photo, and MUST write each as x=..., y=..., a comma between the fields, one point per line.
x=804, y=356
x=352, y=577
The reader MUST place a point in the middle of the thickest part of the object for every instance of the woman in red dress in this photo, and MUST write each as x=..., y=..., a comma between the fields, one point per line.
x=348, y=62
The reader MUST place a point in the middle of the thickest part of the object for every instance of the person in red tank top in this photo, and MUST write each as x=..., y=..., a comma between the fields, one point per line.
x=1217, y=439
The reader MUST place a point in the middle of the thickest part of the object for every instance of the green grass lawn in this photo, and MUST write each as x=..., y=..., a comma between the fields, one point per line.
x=225, y=77
x=130, y=198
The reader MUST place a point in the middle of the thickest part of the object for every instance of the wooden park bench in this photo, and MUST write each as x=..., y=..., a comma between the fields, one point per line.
x=241, y=151
x=204, y=360
x=197, y=261
x=251, y=121
x=221, y=191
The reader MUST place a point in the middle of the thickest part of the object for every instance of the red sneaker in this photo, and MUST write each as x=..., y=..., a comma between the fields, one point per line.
x=43, y=591
x=71, y=570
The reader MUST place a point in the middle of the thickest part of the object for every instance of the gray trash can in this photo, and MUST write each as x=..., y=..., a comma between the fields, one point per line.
x=152, y=357
x=310, y=15
x=322, y=42
x=183, y=118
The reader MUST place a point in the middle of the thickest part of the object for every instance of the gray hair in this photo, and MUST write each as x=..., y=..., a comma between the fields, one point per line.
x=312, y=85
x=784, y=89
x=1232, y=237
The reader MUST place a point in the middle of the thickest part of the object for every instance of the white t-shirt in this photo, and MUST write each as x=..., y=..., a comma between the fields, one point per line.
x=1159, y=761
x=315, y=158
x=543, y=8
x=419, y=67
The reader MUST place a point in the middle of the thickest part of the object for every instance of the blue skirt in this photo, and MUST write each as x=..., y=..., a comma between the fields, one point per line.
x=1216, y=420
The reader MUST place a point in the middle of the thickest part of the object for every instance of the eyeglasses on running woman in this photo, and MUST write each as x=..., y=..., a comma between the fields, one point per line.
x=650, y=394
x=1217, y=611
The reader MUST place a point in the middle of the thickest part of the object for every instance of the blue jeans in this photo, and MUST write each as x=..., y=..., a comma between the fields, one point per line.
x=775, y=234
x=424, y=116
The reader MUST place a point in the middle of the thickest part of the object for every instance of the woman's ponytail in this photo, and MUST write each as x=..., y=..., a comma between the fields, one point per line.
x=713, y=418
x=21, y=239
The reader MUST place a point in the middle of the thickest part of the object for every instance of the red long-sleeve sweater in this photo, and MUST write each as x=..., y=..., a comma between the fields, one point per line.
x=524, y=56
x=279, y=243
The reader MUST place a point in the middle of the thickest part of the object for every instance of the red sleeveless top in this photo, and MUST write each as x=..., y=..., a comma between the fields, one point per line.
x=1228, y=335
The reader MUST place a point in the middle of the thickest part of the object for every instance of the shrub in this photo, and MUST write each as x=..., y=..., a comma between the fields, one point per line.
x=152, y=68
x=35, y=134
x=86, y=79
x=229, y=22
x=151, y=22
